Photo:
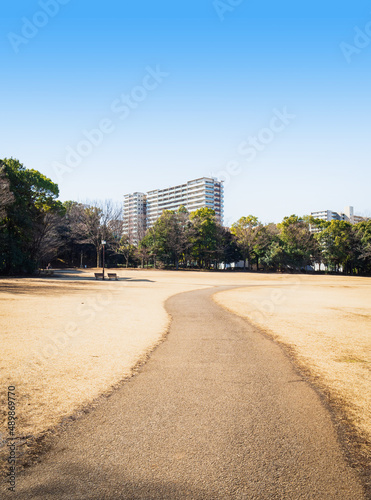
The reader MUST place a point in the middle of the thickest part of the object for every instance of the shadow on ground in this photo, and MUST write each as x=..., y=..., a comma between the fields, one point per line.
x=78, y=480
x=56, y=283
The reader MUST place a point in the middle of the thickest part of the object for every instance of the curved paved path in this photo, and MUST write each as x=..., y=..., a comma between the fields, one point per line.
x=218, y=412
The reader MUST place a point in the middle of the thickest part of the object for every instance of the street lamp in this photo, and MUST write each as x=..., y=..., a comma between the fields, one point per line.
x=103, y=243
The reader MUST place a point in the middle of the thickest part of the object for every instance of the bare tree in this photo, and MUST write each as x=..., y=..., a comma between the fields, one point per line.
x=102, y=220
x=141, y=228
x=142, y=252
x=126, y=248
x=47, y=240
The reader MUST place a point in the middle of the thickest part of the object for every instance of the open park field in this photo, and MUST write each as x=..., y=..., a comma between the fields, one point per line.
x=67, y=339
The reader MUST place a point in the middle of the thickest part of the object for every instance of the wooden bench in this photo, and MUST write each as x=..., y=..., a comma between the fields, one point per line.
x=98, y=275
x=46, y=272
x=112, y=276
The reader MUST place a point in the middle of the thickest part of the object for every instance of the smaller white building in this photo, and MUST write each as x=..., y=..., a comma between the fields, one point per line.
x=329, y=215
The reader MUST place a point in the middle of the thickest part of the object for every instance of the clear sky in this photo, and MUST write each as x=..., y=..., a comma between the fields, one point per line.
x=272, y=96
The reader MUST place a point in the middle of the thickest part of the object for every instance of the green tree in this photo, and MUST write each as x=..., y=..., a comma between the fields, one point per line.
x=337, y=244
x=226, y=247
x=204, y=236
x=267, y=247
x=274, y=257
x=6, y=196
x=246, y=233
x=29, y=219
x=168, y=239
x=362, y=237
x=298, y=243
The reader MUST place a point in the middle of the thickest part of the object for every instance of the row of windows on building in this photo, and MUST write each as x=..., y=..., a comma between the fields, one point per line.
x=141, y=210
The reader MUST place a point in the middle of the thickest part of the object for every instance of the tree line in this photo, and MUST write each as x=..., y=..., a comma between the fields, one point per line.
x=36, y=228
x=294, y=245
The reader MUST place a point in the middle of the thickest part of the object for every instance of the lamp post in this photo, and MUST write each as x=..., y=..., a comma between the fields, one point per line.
x=103, y=243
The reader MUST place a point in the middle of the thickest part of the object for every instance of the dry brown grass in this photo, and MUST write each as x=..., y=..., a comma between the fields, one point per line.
x=67, y=340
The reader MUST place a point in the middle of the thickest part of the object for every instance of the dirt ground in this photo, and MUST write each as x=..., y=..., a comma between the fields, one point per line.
x=67, y=339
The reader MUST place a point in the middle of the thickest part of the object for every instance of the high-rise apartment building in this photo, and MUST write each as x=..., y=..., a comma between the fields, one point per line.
x=134, y=216
x=141, y=210
x=195, y=194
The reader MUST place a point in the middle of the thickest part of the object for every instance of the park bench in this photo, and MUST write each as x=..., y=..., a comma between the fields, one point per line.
x=112, y=276
x=98, y=275
x=46, y=272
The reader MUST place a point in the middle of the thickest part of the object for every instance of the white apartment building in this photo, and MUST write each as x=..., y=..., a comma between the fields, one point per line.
x=141, y=210
x=329, y=215
x=134, y=216
x=195, y=194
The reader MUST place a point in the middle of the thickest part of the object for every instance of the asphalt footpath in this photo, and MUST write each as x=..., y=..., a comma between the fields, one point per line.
x=217, y=412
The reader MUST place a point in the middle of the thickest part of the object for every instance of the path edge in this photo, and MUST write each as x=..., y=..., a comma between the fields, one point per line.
x=355, y=447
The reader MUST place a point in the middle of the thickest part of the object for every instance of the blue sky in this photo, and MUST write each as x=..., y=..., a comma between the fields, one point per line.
x=222, y=71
